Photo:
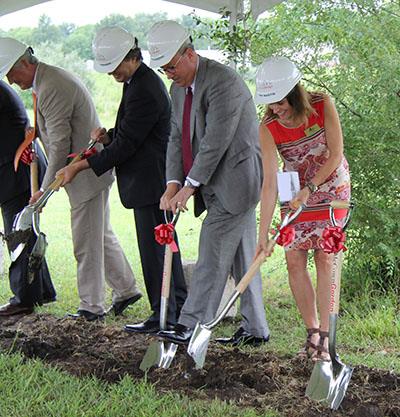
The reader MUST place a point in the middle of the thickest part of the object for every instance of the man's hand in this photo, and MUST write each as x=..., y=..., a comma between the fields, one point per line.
x=165, y=201
x=181, y=198
x=99, y=134
x=35, y=197
x=69, y=172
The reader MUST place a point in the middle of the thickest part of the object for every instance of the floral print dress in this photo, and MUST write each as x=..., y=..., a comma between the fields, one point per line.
x=304, y=149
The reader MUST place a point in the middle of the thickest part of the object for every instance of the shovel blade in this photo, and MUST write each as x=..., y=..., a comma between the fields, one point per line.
x=198, y=344
x=169, y=354
x=154, y=356
x=321, y=381
x=17, y=251
x=328, y=385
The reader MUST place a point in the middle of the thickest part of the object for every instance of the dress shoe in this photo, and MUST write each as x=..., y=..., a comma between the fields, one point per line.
x=150, y=325
x=87, y=315
x=242, y=338
x=119, y=306
x=14, y=309
x=179, y=335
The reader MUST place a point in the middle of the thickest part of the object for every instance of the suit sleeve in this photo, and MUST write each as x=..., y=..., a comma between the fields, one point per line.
x=225, y=100
x=141, y=113
x=174, y=150
x=57, y=110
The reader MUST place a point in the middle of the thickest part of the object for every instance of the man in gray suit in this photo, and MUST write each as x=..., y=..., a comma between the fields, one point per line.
x=65, y=117
x=213, y=155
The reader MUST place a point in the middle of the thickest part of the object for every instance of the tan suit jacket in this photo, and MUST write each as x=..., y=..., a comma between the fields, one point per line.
x=65, y=116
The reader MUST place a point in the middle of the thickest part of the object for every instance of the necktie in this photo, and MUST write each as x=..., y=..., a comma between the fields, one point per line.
x=186, y=145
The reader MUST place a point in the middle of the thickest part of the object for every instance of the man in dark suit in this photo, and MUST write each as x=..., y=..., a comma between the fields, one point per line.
x=136, y=147
x=14, y=196
x=214, y=156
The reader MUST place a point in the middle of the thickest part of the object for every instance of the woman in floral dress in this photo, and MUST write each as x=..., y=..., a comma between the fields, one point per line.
x=304, y=128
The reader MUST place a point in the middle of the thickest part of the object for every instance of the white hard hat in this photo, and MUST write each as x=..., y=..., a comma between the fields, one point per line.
x=275, y=78
x=110, y=46
x=164, y=40
x=10, y=51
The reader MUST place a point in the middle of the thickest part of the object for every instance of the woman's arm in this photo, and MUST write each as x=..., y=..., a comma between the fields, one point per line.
x=269, y=187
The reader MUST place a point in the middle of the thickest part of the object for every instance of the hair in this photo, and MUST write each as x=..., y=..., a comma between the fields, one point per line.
x=300, y=100
x=134, y=53
x=27, y=56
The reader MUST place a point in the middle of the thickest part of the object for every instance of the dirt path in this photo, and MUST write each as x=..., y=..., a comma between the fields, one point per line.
x=252, y=379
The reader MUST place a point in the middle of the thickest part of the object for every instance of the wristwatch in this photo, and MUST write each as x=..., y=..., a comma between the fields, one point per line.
x=189, y=184
x=311, y=186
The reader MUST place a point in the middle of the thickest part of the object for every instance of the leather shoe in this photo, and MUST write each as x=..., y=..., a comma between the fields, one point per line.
x=179, y=335
x=119, y=306
x=242, y=338
x=148, y=326
x=87, y=315
x=14, y=309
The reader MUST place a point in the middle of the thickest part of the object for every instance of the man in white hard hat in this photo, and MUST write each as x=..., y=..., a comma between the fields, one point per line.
x=137, y=147
x=65, y=117
x=14, y=196
x=213, y=155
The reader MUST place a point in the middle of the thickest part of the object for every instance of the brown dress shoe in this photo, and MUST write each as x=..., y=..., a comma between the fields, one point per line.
x=14, y=309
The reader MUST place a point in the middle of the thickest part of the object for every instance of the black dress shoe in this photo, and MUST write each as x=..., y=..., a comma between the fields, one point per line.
x=242, y=338
x=119, y=306
x=179, y=335
x=87, y=315
x=148, y=326
x=14, y=309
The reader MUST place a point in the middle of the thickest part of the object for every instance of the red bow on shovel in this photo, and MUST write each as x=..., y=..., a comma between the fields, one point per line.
x=83, y=154
x=286, y=236
x=164, y=235
x=334, y=238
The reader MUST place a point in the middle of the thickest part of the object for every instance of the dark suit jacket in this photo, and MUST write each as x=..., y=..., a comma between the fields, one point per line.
x=13, y=121
x=139, y=140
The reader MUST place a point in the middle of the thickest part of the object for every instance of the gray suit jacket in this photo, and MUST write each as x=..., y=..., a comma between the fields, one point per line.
x=224, y=136
x=65, y=116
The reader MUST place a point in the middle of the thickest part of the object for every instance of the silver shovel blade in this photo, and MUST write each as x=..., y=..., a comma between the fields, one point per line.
x=198, y=344
x=169, y=354
x=321, y=381
x=22, y=223
x=154, y=356
x=339, y=391
x=329, y=386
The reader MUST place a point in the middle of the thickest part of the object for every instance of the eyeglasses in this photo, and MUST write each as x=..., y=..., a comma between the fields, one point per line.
x=170, y=69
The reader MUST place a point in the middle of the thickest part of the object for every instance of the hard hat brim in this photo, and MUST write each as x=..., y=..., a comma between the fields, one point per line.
x=4, y=71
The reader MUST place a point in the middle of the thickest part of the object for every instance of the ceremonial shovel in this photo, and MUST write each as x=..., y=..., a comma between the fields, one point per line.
x=28, y=218
x=160, y=353
x=198, y=344
x=329, y=379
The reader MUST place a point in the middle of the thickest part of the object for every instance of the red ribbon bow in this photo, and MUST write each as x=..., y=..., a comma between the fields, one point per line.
x=28, y=155
x=286, y=236
x=83, y=154
x=334, y=239
x=164, y=235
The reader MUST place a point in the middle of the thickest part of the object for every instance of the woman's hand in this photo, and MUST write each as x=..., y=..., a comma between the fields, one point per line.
x=301, y=198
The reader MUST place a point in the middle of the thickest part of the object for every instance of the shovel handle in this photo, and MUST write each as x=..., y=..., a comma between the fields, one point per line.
x=335, y=282
x=34, y=172
x=340, y=204
x=254, y=267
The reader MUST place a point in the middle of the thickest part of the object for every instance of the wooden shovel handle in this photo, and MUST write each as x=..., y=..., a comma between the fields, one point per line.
x=34, y=172
x=167, y=270
x=340, y=204
x=254, y=267
x=335, y=282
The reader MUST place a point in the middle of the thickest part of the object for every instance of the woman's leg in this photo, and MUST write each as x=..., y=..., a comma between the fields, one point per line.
x=303, y=291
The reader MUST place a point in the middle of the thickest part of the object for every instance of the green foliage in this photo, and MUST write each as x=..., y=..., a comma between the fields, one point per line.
x=348, y=49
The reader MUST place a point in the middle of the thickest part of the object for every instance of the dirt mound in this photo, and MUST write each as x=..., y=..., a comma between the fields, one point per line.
x=247, y=378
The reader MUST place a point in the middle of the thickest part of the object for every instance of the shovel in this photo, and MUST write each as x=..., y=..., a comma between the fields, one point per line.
x=329, y=380
x=160, y=353
x=198, y=344
x=28, y=218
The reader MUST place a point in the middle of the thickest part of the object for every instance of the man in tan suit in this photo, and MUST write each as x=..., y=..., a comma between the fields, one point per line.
x=65, y=117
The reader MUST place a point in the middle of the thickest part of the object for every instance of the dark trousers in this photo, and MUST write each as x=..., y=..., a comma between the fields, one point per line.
x=152, y=258
x=41, y=289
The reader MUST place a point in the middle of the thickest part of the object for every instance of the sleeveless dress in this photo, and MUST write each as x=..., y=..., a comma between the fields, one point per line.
x=304, y=149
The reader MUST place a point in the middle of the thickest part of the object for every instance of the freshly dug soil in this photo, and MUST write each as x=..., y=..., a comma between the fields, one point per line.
x=247, y=378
